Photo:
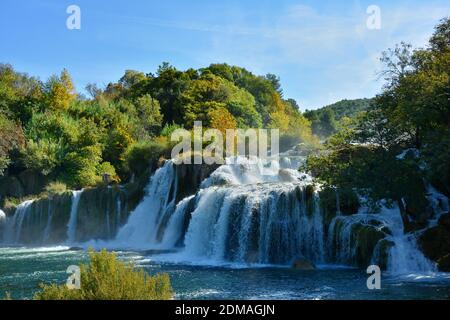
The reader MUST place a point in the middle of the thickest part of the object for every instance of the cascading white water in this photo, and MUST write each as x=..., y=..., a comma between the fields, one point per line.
x=439, y=203
x=14, y=224
x=263, y=223
x=72, y=224
x=142, y=226
x=174, y=230
x=246, y=211
x=2, y=221
x=48, y=226
x=404, y=255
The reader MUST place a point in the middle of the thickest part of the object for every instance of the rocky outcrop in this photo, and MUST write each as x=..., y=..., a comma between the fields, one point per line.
x=99, y=213
x=190, y=176
x=26, y=183
x=435, y=243
x=354, y=242
x=10, y=186
x=333, y=201
x=444, y=263
x=303, y=264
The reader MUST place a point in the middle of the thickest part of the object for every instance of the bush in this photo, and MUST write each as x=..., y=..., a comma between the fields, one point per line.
x=106, y=278
x=42, y=156
x=55, y=187
x=143, y=153
x=107, y=169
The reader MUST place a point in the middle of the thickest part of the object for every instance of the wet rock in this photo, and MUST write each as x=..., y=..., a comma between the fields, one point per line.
x=444, y=263
x=190, y=176
x=444, y=220
x=11, y=187
x=382, y=254
x=366, y=239
x=286, y=176
x=435, y=242
x=32, y=181
x=303, y=264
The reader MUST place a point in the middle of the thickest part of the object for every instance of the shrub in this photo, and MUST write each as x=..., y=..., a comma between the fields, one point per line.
x=42, y=156
x=55, y=187
x=108, y=169
x=141, y=154
x=106, y=278
x=168, y=129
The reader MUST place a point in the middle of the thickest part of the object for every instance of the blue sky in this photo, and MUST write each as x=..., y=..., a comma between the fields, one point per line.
x=322, y=50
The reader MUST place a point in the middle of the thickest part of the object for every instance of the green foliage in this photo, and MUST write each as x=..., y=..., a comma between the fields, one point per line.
x=106, y=278
x=107, y=169
x=42, y=156
x=168, y=129
x=11, y=139
x=324, y=121
x=142, y=154
x=126, y=125
x=55, y=187
x=388, y=151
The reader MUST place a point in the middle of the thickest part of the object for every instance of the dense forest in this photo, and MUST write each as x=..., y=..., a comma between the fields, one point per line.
x=53, y=137
x=325, y=121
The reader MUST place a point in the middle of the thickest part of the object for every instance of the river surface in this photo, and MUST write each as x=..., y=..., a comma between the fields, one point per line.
x=22, y=269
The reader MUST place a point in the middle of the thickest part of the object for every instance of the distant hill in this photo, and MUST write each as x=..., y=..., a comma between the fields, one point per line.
x=324, y=120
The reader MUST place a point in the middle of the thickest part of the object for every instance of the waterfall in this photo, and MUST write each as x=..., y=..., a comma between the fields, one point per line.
x=266, y=223
x=155, y=209
x=246, y=211
x=404, y=256
x=72, y=224
x=2, y=222
x=439, y=203
x=347, y=234
x=14, y=225
x=48, y=226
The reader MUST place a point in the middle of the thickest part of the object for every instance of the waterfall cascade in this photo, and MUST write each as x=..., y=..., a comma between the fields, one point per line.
x=72, y=224
x=2, y=217
x=68, y=218
x=246, y=211
x=142, y=227
x=14, y=227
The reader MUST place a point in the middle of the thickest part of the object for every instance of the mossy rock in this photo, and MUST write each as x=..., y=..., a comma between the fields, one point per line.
x=348, y=203
x=190, y=176
x=435, y=242
x=444, y=221
x=46, y=221
x=383, y=247
x=309, y=191
x=101, y=212
x=366, y=239
x=444, y=263
x=10, y=186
